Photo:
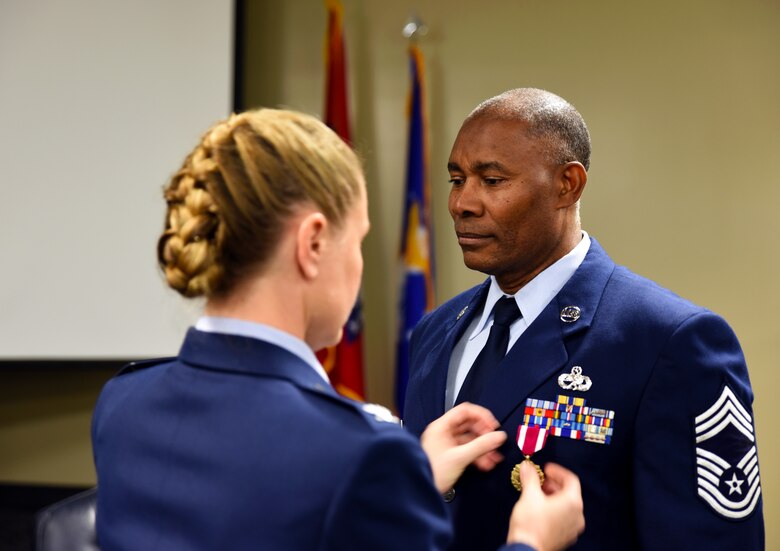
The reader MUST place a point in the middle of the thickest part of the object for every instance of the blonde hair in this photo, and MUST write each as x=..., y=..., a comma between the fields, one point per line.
x=228, y=202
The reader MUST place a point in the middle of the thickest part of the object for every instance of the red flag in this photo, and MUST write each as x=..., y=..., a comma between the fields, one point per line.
x=343, y=362
x=336, y=111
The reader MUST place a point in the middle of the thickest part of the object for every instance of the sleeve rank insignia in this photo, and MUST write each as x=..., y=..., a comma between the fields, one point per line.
x=726, y=458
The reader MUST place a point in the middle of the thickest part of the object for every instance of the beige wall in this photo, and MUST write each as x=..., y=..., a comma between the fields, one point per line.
x=44, y=426
x=680, y=98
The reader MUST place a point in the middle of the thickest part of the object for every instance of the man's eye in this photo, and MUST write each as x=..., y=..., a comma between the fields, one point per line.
x=456, y=181
x=493, y=181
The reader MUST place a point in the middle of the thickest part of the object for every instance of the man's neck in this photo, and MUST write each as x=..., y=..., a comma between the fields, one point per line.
x=511, y=283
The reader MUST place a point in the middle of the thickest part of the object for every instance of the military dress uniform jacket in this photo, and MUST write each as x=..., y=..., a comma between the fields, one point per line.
x=667, y=457
x=239, y=444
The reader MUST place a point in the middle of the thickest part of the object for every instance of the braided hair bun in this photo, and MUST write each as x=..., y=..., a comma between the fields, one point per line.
x=228, y=202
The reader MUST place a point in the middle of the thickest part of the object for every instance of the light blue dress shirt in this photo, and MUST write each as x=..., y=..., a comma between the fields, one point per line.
x=531, y=299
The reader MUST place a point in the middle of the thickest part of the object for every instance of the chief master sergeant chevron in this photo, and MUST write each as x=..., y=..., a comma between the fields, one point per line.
x=641, y=393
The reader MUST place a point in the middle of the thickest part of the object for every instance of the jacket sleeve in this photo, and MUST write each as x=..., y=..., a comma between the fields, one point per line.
x=389, y=502
x=696, y=481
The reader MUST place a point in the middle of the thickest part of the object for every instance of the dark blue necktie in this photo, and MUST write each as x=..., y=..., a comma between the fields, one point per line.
x=505, y=312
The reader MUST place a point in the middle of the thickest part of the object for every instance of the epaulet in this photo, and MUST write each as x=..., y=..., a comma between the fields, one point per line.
x=143, y=364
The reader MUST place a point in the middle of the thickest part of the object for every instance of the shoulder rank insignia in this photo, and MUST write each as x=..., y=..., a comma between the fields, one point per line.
x=380, y=413
x=726, y=458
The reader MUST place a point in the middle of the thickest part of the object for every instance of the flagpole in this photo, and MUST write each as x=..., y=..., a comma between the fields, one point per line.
x=414, y=30
x=416, y=254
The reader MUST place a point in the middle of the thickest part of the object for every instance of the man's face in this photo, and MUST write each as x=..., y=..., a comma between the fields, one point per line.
x=505, y=201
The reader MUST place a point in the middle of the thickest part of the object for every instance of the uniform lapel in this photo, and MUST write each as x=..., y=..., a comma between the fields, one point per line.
x=438, y=359
x=538, y=354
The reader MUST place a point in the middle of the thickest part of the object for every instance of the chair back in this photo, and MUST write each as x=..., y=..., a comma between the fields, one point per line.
x=68, y=525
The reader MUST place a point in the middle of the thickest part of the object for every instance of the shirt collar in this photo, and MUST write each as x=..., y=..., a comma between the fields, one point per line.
x=537, y=293
x=263, y=332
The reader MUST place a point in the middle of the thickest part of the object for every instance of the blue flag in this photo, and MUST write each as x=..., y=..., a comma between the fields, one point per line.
x=417, y=238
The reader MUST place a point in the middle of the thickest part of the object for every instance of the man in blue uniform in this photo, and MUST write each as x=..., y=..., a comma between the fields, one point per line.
x=642, y=394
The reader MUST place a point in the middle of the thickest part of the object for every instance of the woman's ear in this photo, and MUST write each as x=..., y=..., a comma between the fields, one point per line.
x=311, y=241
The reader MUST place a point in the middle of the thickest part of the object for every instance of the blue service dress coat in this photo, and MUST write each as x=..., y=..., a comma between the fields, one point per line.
x=239, y=444
x=667, y=460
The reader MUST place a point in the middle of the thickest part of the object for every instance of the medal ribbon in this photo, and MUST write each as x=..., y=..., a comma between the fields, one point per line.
x=531, y=439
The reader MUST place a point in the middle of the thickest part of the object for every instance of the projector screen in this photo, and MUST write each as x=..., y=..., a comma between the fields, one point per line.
x=100, y=101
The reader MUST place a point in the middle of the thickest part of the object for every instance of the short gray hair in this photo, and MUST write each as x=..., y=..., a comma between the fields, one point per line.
x=549, y=117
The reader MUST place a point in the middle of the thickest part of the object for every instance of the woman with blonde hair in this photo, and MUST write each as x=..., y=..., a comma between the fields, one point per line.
x=240, y=442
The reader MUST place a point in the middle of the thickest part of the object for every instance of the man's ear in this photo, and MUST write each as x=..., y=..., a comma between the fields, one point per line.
x=310, y=244
x=572, y=177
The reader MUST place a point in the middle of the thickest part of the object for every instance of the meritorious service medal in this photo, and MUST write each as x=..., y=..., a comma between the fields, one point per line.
x=530, y=440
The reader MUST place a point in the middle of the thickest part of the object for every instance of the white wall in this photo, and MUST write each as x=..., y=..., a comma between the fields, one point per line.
x=99, y=103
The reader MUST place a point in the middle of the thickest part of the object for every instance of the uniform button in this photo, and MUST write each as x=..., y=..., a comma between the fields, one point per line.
x=449, y=495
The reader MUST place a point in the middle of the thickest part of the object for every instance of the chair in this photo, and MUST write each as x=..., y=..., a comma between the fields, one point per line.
x=68, y=525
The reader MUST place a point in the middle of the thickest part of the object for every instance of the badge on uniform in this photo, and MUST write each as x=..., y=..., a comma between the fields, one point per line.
x=568, y=417
x=726, y=458
x=575, y=380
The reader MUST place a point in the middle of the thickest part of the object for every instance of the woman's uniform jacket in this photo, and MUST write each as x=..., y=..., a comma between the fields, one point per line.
x=239, y=444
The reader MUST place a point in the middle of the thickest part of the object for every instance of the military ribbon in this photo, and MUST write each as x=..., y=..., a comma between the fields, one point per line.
x=531, y=439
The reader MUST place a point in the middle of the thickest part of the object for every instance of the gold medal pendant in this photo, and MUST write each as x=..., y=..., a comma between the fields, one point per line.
x=516, y=474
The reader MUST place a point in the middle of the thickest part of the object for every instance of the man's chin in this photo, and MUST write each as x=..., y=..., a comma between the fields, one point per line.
x=477, y=262
x=475, y=259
